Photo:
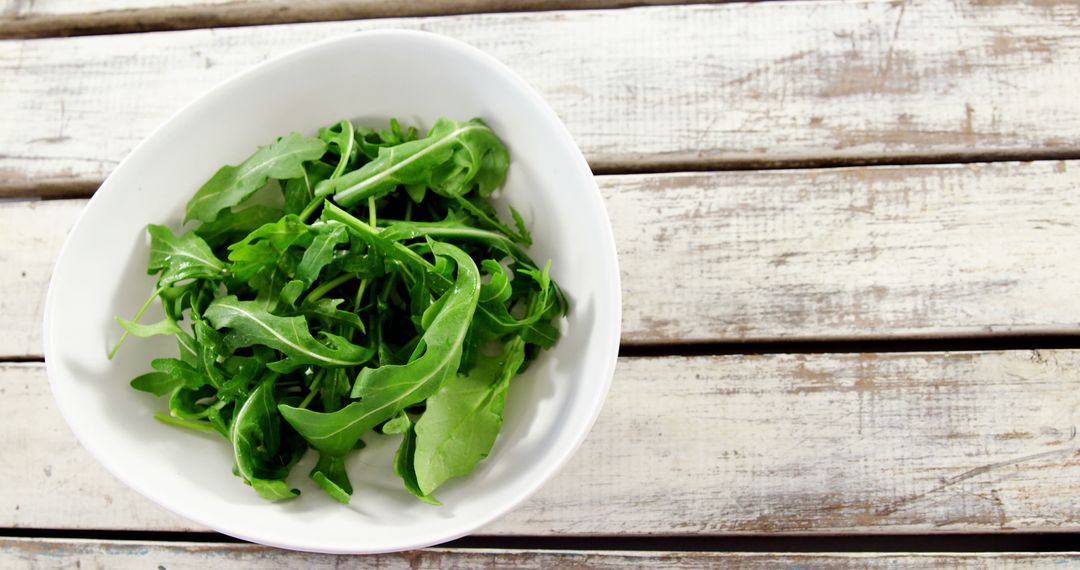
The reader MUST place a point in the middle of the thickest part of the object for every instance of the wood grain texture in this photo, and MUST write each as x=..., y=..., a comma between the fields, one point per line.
x=732, y=85
x=33, y=234
x=796, y=444
x=43, y=554
x=46, y=18
x=856, y=253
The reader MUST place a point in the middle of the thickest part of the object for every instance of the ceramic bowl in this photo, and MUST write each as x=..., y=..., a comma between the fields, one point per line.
x=367, y=77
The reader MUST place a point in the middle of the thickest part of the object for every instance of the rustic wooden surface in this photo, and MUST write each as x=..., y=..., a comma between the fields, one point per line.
x=42, y=554
x=714, y=445
x=45, y=18
x=733, y=85
x=856, y=253
x=686, y=111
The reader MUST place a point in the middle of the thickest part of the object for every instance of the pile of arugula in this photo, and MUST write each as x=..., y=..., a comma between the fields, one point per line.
x=384, y=294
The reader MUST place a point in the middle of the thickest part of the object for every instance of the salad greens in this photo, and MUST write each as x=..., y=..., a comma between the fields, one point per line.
x=382, y=294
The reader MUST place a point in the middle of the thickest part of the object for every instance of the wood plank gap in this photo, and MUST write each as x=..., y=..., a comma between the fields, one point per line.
x=957, y=543
x=660, y=165
x=21, y=359
x=271, y=12
x=853, y=346
x=66, y=190
x=1034, y=342
x=1059, y=542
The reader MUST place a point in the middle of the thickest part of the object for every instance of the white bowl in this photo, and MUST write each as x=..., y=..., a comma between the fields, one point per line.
x=368, y=77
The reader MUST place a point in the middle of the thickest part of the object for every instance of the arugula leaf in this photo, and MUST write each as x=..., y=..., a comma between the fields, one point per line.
x=320, y=253
x=191, y=403
x=250, y=325
x=387, y=390
x=299, y=192
x=328, y=311
x=184, y=373
x=453, y=159
x=179, y=258
x=497, y=289
x=330, y=475
x=341, y=138
x=485, y=214
x=371, y=141
x=165, y=326
x=463, y=418
x=157, y=383
x=232, y=185
x=232, y=225
x=387, y=249
x=404, y=465
x=256, y=439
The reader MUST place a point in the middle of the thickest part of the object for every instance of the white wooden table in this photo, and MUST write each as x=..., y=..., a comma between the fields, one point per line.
x=848, y=233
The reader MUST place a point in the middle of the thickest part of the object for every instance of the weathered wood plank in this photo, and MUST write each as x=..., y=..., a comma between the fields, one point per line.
x=884, y=252
x=645, y=88
x=42, y=554
x=831, y=443
x=33, y=235
x=45, y=18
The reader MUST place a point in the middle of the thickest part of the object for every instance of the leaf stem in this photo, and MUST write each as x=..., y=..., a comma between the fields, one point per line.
x=314, y=390
x=371, y=211
x=360, y=293
x=336, y=213
x=134, y=320
x=180, y=422
x=325, y=288
x=347, y=151
x=310, y=209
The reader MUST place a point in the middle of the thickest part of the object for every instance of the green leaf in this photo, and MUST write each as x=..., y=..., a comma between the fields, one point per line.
x=262, y=455
x=484, y=213
x=371, y=141
x=178, y=258
x=387, y=390
x=262, y=253
x=404, y=466
x=340, y=138
x=495, y=314
x=291, y=292
x=193, y=295
x=157, y=383
x=211, y=348
x=231, y=226
x=232, y=185
x=330, y=475
x=183, y=372
x=242, y=373
x=523, y=232
x=455, y=229
x=497, y=289
x=165, y=326
x=190, y=404
x=279, y=235
x=453, y=159
x=299, y=192
x=321, y=252
x=327, y=310
x=463, y=418
x=274, y=489
x=250, y=325
x=543, y=334
x=412, y=263
x=397, y=424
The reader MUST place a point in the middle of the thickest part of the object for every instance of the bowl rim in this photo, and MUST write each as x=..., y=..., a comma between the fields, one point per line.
x=611, y=328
